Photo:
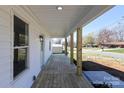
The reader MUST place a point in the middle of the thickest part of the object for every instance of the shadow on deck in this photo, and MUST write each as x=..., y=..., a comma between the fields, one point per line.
x=59, y=73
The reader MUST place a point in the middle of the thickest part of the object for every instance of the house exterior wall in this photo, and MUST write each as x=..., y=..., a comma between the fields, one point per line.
x=48, y=52
x=24, y=79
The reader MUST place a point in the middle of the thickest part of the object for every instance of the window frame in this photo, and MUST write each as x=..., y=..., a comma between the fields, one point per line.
x=20, y=47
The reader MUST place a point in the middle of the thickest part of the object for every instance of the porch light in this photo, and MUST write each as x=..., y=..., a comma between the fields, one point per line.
x=41, y=38
x=59, y=8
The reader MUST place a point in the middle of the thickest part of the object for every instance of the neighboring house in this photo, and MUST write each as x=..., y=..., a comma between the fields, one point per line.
x=113, y=44
x=57, y=48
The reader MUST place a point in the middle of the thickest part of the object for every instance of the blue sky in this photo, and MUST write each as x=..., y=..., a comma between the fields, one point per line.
x=109, y=18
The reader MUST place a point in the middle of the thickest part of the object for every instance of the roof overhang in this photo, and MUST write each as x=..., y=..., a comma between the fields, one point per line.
x=62, y=23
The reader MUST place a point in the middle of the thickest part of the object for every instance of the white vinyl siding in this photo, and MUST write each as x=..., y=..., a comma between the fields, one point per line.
x=6, y=47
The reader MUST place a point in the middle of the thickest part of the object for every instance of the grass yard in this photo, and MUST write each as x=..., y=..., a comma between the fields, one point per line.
x=87, y=56
x=119, y=50
x=99, y=58
x=92, y=48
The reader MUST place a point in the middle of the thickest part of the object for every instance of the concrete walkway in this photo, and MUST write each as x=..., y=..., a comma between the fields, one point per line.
x=59, y=73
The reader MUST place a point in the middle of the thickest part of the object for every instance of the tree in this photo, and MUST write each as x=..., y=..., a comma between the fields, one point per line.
x=119, y=32
x=105, y=36
x=89, y=39
x=121, y=35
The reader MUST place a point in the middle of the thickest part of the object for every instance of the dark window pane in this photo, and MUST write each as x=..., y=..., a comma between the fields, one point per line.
x=20, y=32
x=20, y=60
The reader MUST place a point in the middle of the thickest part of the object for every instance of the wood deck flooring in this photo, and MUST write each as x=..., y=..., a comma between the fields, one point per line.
x=59, y=73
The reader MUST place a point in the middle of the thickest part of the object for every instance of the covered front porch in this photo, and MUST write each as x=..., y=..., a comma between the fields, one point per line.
x=61, y=22
x=59, y=73
x=26, y=44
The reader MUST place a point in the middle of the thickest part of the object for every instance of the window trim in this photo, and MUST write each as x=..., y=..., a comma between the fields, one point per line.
x=19, y=47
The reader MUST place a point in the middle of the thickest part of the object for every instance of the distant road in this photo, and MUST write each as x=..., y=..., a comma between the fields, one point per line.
x=111, y=54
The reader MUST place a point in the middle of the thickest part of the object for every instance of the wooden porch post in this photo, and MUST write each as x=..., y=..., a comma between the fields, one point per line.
x=65, y=45
x=79, y=51
x=71, y=47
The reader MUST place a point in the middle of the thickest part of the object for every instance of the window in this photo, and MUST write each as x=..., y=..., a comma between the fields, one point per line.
x=20, y=46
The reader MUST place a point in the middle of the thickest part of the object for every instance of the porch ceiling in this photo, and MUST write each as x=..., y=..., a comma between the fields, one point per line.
x=61, y=23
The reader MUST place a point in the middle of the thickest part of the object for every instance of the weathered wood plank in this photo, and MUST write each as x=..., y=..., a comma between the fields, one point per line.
x=66, y=45
x=59, y=73
x=79, y=51
x=71, y=47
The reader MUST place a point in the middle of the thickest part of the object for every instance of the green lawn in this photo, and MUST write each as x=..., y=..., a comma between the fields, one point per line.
x=91, y=48
x=119, y=50
x=88, y=55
